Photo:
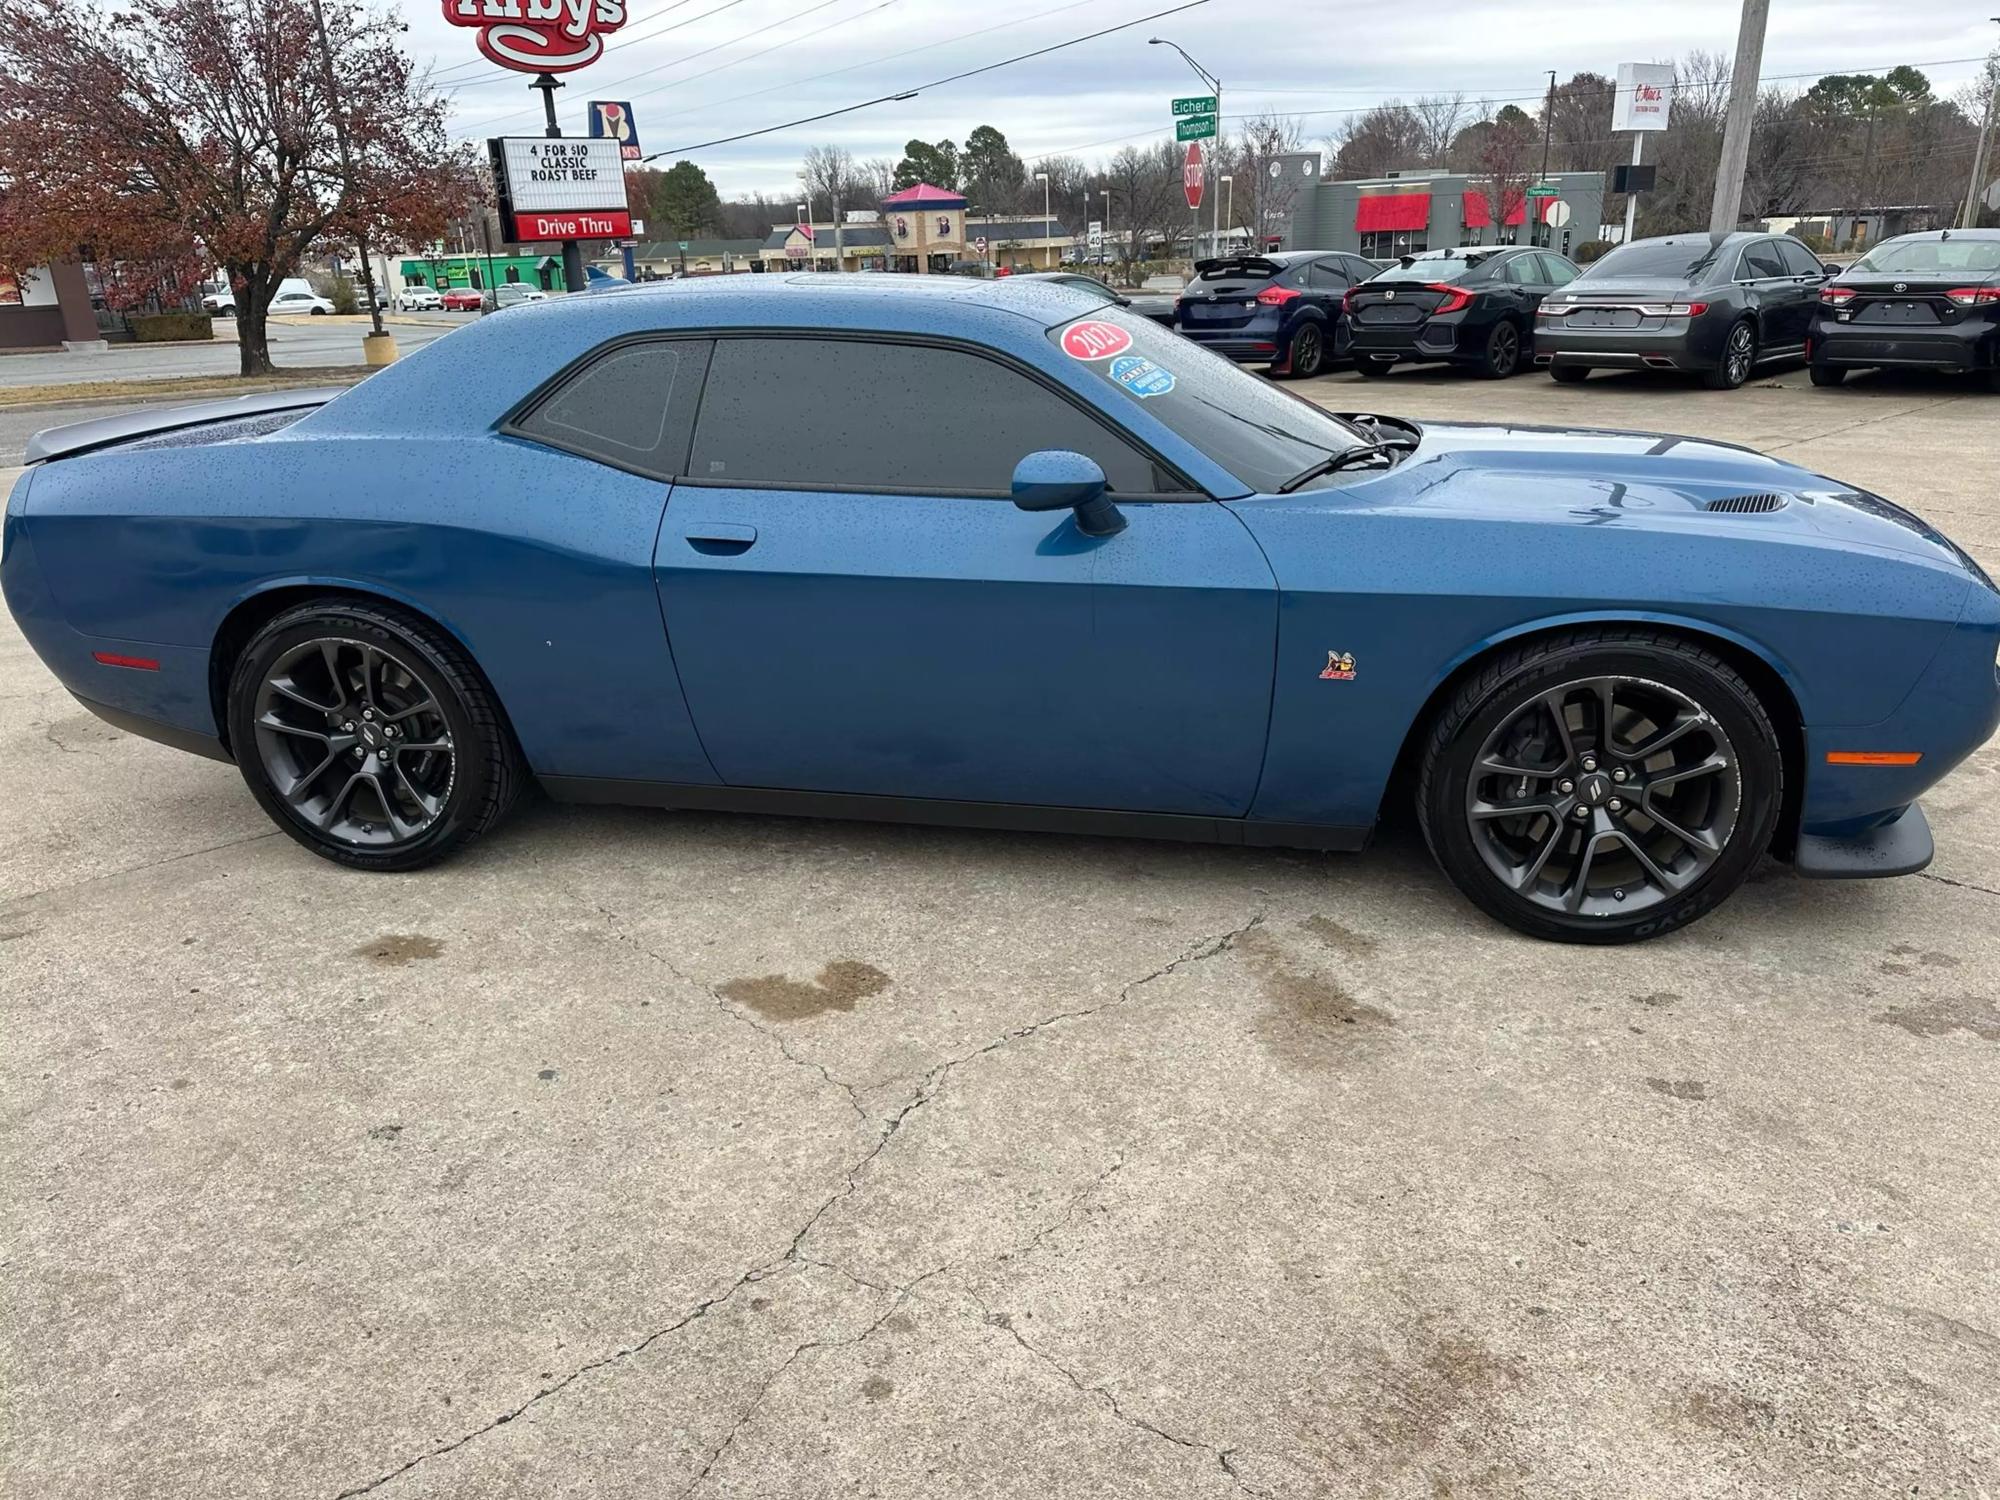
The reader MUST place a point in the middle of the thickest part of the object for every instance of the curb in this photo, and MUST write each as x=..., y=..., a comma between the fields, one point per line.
x=46, y=397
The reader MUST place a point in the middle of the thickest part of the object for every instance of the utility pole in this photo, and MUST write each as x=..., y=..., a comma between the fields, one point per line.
x=1548, y=129
x=384, y=349
x=1728, y=205
x=1977, y=192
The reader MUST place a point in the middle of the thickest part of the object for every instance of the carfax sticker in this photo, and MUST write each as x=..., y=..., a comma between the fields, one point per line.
x=1092, y=339
x=1141, y=376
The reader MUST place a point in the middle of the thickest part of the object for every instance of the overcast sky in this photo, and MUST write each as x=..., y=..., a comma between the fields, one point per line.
x=765, y=62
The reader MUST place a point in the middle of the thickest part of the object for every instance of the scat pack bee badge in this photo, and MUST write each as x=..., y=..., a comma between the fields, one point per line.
x=1339, y=667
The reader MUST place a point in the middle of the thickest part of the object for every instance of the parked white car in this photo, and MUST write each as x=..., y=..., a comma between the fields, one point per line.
x=418, y=299
x=292, y=300
x=513, y=294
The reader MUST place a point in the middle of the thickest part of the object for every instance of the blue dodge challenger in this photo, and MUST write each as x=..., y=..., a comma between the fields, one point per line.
x=958, y=552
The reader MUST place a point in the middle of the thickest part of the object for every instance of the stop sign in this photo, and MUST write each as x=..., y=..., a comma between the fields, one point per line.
x=1191, y=174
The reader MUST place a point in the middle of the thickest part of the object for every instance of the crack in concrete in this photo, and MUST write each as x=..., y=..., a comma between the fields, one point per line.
x=1962, y=885
x=153, y=864
x=1205, y=949
x=1222, y=1456
x=618, y=930
x=1846, y=427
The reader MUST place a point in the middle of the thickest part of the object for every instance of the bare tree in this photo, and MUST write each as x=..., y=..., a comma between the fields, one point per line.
x=1263, y=201
x=830, y=172
x=1386, y=138
x=1438, y=118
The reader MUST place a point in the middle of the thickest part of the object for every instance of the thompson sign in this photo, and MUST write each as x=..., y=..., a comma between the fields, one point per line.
x=559, y=189
x=539, y=36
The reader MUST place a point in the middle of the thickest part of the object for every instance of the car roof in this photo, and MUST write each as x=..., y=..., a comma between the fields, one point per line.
x=1941, y=235
x=1712, y=240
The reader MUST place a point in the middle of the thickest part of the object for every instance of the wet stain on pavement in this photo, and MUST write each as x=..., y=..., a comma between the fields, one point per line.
x=878, y=1388
x=1692, y=1089
x=1905, y=959
x=1981, y=1018
x=1313, y=1019
x=385, y=1132
x=395, y=949
x=1340, y=938
x=1733, y=1413
x=1408, y=1403
x=841, y=985
x=1658, y=1000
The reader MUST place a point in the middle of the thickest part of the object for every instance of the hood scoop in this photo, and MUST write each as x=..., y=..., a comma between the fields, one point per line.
x=1746, y=505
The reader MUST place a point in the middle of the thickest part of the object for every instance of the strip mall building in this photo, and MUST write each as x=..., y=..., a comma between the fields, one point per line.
x=1409, y=211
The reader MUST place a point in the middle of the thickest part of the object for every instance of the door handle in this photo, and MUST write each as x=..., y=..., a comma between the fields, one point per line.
x=719, y=538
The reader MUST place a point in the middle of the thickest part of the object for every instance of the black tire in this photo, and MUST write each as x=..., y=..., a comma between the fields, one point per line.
x=1993, y=380
x=1827, y=374
x=1737, y=360
x=319, y=312
x=1502, y=356
x=1372, y=367
x=1305, y=355
x=1569, y=374
x=482, y=773
x=1729, y=720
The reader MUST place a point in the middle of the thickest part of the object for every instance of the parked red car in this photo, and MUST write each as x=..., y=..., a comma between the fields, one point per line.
x=461, y=299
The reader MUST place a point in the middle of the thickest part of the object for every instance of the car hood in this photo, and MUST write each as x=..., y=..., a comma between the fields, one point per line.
x=1590, y=477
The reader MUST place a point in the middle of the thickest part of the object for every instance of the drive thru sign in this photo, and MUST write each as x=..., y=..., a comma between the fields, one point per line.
x=1191, y=174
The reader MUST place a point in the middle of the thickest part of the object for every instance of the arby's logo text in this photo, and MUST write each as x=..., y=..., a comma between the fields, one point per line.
x=1093, y=339
x=539, y=36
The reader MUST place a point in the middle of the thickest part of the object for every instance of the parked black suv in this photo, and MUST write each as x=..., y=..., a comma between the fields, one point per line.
x=1283, y=309
x=1717, y=305
x=1474, y=307
x=1926, y=300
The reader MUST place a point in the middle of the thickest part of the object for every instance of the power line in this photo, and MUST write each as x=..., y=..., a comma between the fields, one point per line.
x=500, y=75
x=911, y=93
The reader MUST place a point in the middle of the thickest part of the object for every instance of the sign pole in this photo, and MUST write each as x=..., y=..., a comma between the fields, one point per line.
x=1632, y=199
x=572, y=250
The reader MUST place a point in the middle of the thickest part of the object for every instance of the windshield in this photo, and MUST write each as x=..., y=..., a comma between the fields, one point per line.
x=1678, y=260
x=1428, y=268
x=1907, y=256
x=1259, y=433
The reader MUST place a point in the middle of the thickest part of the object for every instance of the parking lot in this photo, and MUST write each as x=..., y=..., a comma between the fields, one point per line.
x=652, y=1154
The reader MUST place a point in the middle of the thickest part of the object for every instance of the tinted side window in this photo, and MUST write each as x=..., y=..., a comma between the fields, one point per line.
x=1330, y=274
x=862, y=415
x=1762, y=259
x=1556, y=270
x=632, y=406
x=1360, y=269
x=1799, y=260
x=1521, y=271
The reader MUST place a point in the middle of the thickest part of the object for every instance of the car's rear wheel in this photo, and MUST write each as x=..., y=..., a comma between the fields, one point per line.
x=1601, y=786
x=1738, y=359
x=1502, y=355
x=1367, y=366
x=369, y=737
x=1569, y=374
x=1993, y=380
x=319, y=312
x=1827, y=374
x=1306, y=353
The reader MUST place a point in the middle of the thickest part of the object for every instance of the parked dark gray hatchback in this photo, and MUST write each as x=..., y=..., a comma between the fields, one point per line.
x=1716, y=305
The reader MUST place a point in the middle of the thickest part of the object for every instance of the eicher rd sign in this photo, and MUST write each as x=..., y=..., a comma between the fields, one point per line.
x=539, y=36
x=560, y=189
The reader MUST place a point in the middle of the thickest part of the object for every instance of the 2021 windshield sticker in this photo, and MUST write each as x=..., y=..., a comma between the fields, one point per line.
x=1094, y=339
x=1141, y=376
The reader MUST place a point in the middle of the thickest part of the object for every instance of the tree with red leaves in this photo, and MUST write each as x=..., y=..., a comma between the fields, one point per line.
x=166, y=126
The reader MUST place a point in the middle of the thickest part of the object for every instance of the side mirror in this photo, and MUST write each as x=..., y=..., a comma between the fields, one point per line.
x=1830, y=268
x=1056, y=479
x=1121, y=300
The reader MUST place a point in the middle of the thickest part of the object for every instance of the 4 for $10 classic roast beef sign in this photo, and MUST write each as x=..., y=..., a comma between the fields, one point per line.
x=539, y=36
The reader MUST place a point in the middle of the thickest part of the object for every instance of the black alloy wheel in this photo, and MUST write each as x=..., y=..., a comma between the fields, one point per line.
x=1306, y=353
x=1739, y=358
x=1502, y=356
x=368, y=737
x=1602, y=787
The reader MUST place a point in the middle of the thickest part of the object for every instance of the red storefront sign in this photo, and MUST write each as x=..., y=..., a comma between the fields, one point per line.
x=1479, y=211
x=539, y=36
x=605, y=225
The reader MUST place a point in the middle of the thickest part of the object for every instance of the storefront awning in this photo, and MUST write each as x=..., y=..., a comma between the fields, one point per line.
x=1479, y=212
x=1392, y=211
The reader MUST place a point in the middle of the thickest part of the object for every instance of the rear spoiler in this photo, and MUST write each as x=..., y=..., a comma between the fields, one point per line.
x=100, y=432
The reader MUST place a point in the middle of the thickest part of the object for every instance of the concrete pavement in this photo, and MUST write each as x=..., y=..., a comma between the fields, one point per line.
x=642, y=1154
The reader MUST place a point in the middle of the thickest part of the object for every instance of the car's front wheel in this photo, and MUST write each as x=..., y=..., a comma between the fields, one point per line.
x=1601, y=786
x=368, y=735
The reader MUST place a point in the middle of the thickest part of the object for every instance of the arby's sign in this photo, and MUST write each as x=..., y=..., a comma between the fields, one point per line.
x=539, y=36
